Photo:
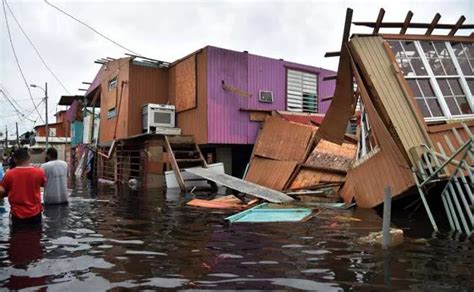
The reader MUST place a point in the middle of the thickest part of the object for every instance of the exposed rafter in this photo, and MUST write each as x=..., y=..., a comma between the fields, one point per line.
x=406, y=23
x=379, y=21
x=457, y=25
x=433, y=24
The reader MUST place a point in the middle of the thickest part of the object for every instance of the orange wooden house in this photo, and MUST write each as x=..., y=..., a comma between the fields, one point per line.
x=60, y=128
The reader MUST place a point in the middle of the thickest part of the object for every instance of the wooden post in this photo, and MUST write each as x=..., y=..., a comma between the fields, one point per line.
x=174, y=164
x=387, y=210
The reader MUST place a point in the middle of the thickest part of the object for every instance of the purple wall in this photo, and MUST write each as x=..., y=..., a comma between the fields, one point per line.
x=250, y=73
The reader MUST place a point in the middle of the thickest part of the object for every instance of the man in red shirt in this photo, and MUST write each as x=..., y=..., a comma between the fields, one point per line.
x=22, y=187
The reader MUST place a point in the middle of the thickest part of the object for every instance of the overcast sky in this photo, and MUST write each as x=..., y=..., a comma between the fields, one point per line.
x=299, y=31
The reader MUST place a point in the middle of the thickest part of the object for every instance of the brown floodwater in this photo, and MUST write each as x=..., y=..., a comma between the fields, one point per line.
x=120, y=239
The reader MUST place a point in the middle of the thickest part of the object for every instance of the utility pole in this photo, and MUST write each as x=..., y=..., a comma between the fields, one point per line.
x=45, y=90
x=46, y=108
x=17, y=136
x=6, y=138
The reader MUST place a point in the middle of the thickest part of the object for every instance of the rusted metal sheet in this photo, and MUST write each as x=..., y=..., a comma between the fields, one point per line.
x=270, y=173
x=241, y=185
x=283, y=140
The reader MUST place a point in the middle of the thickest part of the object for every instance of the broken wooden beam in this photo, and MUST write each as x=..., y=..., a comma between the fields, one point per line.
x=332, y=54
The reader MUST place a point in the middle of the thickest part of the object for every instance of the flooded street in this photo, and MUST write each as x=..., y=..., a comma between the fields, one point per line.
x=106, y=239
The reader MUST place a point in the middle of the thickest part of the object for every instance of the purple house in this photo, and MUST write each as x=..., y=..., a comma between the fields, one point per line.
x=221, y=96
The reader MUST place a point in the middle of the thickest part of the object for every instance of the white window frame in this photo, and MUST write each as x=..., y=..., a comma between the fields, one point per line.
x=112, y=84
x=295, y=105
x=434, y=83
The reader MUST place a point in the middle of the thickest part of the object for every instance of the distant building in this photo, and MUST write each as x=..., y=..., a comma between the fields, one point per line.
x=59, y=138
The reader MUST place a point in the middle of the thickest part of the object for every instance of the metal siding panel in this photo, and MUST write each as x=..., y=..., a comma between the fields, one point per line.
x=118, y=68
x=251, y=73
x=146, y=85
x=227, y=124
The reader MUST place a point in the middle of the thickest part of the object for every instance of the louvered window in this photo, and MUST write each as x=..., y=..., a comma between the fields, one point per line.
x=302, y=91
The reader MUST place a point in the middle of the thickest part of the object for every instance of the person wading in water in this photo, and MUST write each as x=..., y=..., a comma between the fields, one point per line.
x=22, y=187
x=55, y=191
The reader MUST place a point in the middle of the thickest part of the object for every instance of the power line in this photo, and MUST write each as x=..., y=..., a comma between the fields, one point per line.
x=20, y=114
x=5, y=90
x=16, y=59
x=17, y=108
x=34, y=47
x=91, y=28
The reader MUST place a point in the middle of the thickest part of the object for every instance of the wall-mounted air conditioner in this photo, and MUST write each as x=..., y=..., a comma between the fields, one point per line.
x=265, y=96
x=158, y=116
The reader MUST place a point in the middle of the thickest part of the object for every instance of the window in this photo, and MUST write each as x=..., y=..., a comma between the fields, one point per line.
x=367, y=141
x=111, y=113
x=52, y=132
x=302, y=91
x=112, y=83
x=440, y=75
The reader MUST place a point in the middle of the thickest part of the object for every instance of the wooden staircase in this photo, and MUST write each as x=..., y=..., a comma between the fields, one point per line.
x=184, y=153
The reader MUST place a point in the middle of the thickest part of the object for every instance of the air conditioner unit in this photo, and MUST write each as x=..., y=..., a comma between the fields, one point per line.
x=158, y=116
x=265, y=96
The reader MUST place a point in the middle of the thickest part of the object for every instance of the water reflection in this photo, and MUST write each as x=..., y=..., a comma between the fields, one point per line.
x=110, y=238
x=24, y=248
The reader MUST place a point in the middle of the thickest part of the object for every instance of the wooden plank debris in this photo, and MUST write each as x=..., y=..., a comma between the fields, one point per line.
x=270, y=173
x=283, y=140
x=241, y=185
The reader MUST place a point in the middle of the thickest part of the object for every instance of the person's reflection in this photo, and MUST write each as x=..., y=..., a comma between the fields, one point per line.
x=25, y=247
x=56, y=220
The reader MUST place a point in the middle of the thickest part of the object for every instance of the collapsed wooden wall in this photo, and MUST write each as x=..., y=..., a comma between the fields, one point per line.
x=289, y=155
x=280, y=147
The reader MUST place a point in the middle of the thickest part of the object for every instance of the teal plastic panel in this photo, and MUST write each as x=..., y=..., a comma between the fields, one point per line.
x=77, y=130
x=261, y=213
